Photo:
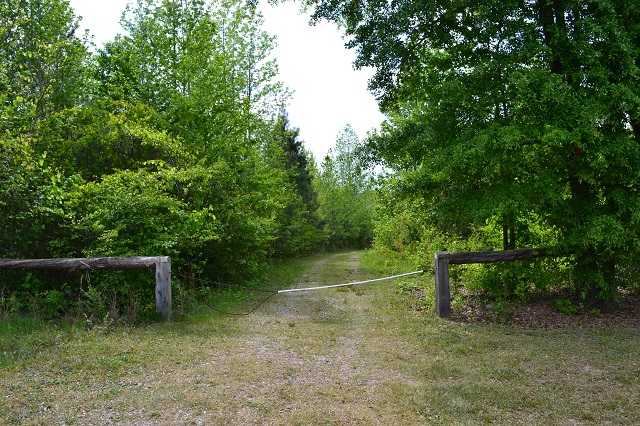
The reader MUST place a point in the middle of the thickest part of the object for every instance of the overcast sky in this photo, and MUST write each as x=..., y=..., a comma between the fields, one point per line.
x=313, y=62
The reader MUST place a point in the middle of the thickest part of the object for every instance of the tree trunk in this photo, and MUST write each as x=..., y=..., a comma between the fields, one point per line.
x=505, y=235
x=586, y=267
x=547, y=14
x=635, y=126
x=508, y=233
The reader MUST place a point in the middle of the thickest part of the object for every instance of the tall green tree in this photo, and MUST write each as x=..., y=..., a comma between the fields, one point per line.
x=43, y=60
x=162, y=143
x=299, y=224
x=42, y=73
x=345, y=192
x=204, y=66
x=297, y=161
x=503, y=111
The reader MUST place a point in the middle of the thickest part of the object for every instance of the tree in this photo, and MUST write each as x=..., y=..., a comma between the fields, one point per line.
x=299, y=230
x=43, y=72
x=204, y=67
x=507, y=111
x=297, y=162
x=163, y=143
x=182, y=104
x=346, y=195
x=43, y=60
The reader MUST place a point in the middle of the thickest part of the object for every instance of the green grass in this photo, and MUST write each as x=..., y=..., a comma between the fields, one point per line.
x=24, y=337
x=353, y=355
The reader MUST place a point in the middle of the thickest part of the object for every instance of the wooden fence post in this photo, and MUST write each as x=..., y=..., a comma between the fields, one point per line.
x=163, y=287
x=443, y=293
x=163, y=271
x=443, y=259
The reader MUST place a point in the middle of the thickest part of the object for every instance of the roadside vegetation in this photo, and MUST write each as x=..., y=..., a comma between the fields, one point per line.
x=173, y=140
x=170, y=140
x=509, y=125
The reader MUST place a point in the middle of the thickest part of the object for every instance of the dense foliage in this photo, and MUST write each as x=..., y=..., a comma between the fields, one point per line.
x=169, y=140
x=510, y=124
x=346, y=195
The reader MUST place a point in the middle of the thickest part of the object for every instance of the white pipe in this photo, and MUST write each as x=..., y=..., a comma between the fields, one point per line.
x=291, y=290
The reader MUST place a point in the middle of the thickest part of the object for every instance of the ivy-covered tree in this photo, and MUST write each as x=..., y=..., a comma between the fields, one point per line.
x=523, y=113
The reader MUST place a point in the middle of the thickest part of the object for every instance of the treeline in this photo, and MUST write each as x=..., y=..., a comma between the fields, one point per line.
x=169, y=140
x=510, y=125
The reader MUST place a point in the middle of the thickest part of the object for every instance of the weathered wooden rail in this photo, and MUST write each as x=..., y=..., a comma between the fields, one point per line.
x=444, y=259
x=162, y=265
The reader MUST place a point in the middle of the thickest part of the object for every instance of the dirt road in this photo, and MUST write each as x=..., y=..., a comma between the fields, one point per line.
x=332, y=356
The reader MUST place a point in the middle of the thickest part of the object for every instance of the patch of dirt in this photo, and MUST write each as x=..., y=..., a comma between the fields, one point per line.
x=541, y=314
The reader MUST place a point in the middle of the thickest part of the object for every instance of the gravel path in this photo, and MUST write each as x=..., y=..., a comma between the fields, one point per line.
x=331, y=357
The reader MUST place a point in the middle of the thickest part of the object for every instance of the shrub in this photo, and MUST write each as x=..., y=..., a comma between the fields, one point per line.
x=53, y=304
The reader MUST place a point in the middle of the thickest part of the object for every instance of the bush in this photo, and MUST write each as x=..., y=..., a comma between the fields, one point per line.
x=53, y=304
x=565, y=306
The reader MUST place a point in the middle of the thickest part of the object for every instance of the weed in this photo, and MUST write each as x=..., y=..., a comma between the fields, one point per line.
x=409, y=287
x=10, y=304
x=565, y=306
x=53, y=303
x=94, y=302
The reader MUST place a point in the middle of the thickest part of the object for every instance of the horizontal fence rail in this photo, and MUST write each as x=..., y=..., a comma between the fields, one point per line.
x=443, y=259
x=162, y=265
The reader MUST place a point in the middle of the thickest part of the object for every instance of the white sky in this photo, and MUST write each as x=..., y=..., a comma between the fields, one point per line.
x=313, y=62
